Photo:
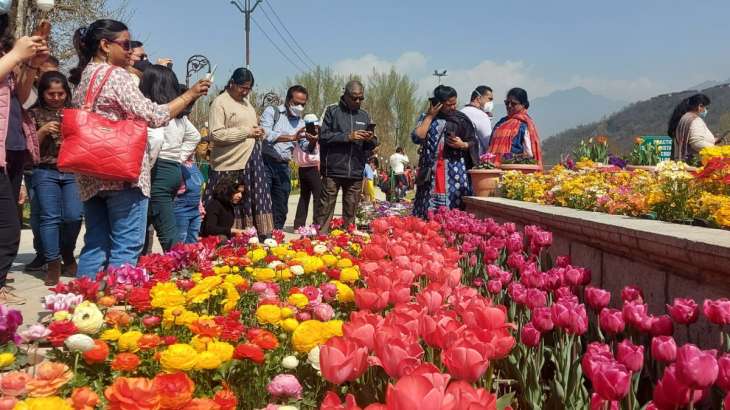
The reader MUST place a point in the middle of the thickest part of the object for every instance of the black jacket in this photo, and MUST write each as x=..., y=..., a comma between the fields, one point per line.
x=340, y=157
x=218, y=219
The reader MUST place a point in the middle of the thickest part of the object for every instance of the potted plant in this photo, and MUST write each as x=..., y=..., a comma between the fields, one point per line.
x=645, y=155
x=485, y=176
x=594, y=149
x=521, y=163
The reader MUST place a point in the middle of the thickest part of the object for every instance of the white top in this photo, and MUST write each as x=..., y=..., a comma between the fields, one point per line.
x=398, y=162
x=175, y=142
x=699, y=135
x=482, y=126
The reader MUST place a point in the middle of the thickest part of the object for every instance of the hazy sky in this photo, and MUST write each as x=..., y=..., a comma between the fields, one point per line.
x=623, y=49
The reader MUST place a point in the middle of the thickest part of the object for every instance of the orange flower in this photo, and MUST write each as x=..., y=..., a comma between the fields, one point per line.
x=125, y=362
x=130, y=393
x=602, y=139
x=84, y=398
x=49, y=378
x=118, y=318
x=13, y=383
x=205, y=327
x=226, y=399
x=107, y=301
x=98, y=354
x=266, y=340
x=202, y=404
x=149, y=341
x=175, y=390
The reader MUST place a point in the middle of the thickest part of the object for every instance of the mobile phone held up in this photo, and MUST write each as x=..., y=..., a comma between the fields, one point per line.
x=211, y=75
x=311, y=128
x=371, y=127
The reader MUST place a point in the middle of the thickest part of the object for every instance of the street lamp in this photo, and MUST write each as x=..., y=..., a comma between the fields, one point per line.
x=195, y=64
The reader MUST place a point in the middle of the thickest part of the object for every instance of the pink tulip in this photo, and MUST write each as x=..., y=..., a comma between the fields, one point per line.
x=573, y=276
x=636, y=314
x=424, y=389
x=611, y=321
x=529, y=336
x=566, y=294
x=515, y=243
x=542, y=319
x=361, y=327
x=630, y=355
x=432, y=300
x=342, y=359
x=462, y=395
x=632, y=294
x=536, y=298
x=596, y=354
x=517, y=292
x=671, y=392
x=664, y=349
x=597, y=298
x=598, y=403
x=696, y=368
x=717, y=311
x=371, y=300
x=683, y=311
x=398, y=355
x=570, y=316
x=467, y=359
x=611, y=380
x=662, y=326
x=494, y=286
x=438, y=330
x=723, y=376
x=332, y=402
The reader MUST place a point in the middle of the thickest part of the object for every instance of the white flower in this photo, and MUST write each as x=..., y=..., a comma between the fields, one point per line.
x=253, y=240
x=290, y=362
x=313, y=358
x=296, y=270
x=320, y=249
x=270, y=243
x=79, y=343
x=274, y=264
x=287, y=408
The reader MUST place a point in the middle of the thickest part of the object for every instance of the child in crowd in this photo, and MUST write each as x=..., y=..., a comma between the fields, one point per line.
x=188, y=207
x=369, y=180
x=219, y=213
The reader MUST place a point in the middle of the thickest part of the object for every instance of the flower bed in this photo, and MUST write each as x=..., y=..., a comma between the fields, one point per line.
x=455, y=313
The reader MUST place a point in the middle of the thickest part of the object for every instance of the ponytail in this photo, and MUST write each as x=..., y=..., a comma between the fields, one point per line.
x=686, y=105
x=87, y=41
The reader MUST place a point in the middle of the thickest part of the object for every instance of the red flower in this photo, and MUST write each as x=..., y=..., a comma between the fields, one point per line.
x=249, y=351
x=226, y=399
x=466, y=359
x=139, y=299
x=697, y=368
x=717, y=311
x=462, y=395
x=683, y=311
x=265, y=340
x=611, y=381
x=664, y=349
x=662, y=326
x=630, y=355
x=342, y=359
x=723, y=377
x=332, y=402
x=671, y=392
x=176, y=389
x=361, y=327
x=542, y=319
x=570, y=316
x=425, y=388
x=632, y=294
x=529, y=336
x=611, y=321
x=597, y=298
x=98, y=354
x=60, y=330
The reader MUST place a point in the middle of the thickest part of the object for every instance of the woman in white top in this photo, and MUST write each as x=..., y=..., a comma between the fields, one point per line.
x=170, y=146
x=688, y=129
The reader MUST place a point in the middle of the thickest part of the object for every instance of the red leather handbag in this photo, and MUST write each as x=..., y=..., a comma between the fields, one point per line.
x=96, y=146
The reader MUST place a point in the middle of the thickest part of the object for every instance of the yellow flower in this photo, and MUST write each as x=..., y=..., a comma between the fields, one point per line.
x=235, y=280
x=110, y=335
x=264, y=274
x=200, y=343
x=298, y=299
x=344, y=263
x=207, y=361
x=128, y=341
x=6, y=359
x=290, y=324
x=349, y=275
x=43, y=403
x=329, y=260
x=61, y=315
x=223, y=350
x=166, y=295
x=88, y=318
x=202, y=291
x=179, y=357
x=332, y=328
x=232, y=297
x=257, y=254
x=344, y=292
x=284, y=274
x=307, y=335
x=286, y=313
x=268, y=314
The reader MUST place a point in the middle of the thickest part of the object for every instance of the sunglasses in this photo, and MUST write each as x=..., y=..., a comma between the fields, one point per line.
x=125, y=45
x=511, y=103
x=357, y=99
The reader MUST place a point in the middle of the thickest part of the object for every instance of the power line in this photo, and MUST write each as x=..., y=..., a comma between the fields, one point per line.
x=273, y=43
x=287, y=42
x=294, y=40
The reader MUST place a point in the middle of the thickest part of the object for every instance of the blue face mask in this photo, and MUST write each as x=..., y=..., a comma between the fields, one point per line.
x=703, y=114
x=5, y=6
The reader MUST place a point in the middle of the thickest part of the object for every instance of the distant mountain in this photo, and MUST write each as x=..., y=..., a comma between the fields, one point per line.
x=648, y=117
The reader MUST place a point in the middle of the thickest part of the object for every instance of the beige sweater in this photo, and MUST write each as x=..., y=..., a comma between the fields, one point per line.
x=231, y=124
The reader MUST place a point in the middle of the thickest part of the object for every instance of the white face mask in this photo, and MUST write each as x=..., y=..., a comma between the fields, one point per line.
x=297, y=110
x=488, y=106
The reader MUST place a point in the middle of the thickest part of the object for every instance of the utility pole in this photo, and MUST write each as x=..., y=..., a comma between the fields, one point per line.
x=439, y=75
x=244, y=6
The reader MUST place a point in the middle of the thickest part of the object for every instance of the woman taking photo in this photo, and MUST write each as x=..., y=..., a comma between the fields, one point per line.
x=170, y=146
x=688, y=129
x=116, y=211
x=516, y=135
x=236, y=153
x=448, y=149
x=58, y=193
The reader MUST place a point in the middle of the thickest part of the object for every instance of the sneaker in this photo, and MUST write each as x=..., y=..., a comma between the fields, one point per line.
x=9, y=298
x=37, y=265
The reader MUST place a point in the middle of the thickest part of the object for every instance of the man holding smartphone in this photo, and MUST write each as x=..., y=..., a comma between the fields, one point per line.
x=345, y=145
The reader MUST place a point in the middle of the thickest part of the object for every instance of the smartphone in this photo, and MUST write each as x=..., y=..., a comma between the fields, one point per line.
x=311, y=128
x=371, y=127
x=43, y=29
x=211, y=75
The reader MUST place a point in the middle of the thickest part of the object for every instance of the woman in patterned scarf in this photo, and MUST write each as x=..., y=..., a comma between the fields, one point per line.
x=516, y=135
x=448, y=149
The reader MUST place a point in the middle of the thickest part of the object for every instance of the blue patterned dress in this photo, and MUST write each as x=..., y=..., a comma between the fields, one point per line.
x=451, y=172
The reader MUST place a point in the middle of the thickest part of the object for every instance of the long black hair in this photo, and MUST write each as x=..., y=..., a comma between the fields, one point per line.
x=160, y=85
x=46, y=81
x=87, y=41
x=686, y=105
x=520, y=95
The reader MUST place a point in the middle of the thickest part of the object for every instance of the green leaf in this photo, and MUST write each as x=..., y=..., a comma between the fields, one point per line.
x=505, y=401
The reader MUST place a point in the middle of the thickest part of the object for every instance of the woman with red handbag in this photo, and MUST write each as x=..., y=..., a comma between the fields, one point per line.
x=115, y=208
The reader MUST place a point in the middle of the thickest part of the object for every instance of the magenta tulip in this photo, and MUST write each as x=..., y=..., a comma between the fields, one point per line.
x=723, y=376
x=542, y=319
x=662, y=326
x=597, y=298
x=717, y=311
x=612, y=381
x=630, y=355
x=697, y=368
x=664, y=349
x=632, y=294
x=611, y=321
x=683, y=311
x=529, y=336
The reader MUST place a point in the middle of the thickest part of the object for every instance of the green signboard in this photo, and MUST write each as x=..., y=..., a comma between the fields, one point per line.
x=664, y=142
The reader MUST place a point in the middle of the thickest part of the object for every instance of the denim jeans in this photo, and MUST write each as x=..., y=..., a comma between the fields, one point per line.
x=35, y=215
x=279, y=176
x=187, y=219
x=116, y=223
x=9, y=226
x=60, y=211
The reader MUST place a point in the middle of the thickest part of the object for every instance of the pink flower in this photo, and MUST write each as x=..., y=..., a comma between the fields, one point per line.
x=632, y=294
x=570, y=316
x=494, y=286
x=611, y=321
x=466, y=359
x=34, y=333
x=664, y=349
x=630, y=355
x=529, y=336
x=671, y=392
x=536, y=298
x=662, y=326
x=598, y=403
x=683, y=311
x=323, y=312
x=636, y=314
x=424, y=389
x=285, y=386
x=542, y=319
x=462, y=395
x=717, y=311
x=596, y=354
x=342, y=359
x=723, y=377
x=597, y=298
x=696, y=368
x=611, y=381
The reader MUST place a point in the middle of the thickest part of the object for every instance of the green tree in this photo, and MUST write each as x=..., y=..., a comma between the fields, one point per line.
x=324, y=86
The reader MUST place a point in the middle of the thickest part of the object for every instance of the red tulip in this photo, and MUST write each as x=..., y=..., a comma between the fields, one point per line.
x=542, y=319
x=342, y=359
x=570, y=316
x=696, y=368
x=529, y=336
x=432, y=300
x=438, y=330
x=332, y=402
x=671, y=392
x=499, y=342
x=371, y=300
x=598, y=403
x=723, y=376
x=461, y=395
x=683, y=311
x=636, y=314
x=397, y=354
x=467, y=359
x=536, y=298
x=630, y=355
x=481, y=314
x=662, y=326
x=611, y=321
x=597, y=298
x=361, y=327
x=717, y=311
x=596, y=354
x=494, y=286
x=612, y=380
x=632, y=294
x=423, y=390
x=664, y=349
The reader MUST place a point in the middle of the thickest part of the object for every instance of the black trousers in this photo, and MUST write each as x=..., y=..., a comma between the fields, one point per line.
x=351, y=192
x=310, y=185
x=9, y=226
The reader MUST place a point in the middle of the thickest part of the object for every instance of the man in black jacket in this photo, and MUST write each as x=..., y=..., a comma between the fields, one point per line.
x=345, y=145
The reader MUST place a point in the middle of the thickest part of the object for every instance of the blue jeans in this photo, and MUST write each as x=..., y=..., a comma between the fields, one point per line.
x=59, y=211
x=278, y=174
x=116, y=224
x=35, y=216
x=187, y=219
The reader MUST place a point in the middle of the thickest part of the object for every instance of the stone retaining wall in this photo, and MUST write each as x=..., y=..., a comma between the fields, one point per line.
x=666, y=260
